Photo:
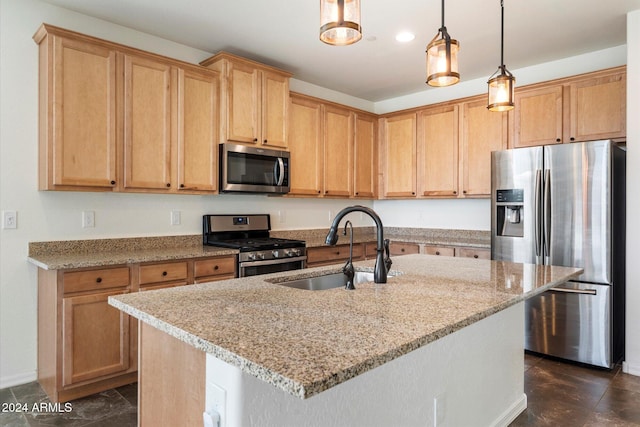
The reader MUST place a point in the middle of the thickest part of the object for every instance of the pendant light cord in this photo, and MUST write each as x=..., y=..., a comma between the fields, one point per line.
x=442, y=26
x=501, y=35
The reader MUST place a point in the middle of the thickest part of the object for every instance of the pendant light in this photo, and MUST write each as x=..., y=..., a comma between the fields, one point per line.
x=502, y=82
x=442, y=58
x=340, y=22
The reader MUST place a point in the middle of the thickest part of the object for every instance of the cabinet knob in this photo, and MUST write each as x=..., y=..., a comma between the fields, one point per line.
x=357, y=193
x=255, y=139
x=455, y=192
x=215, y=267
x=318, y=191
x=337, y=252
x=413, y=193
x=572, y=139
x=113, y=183
x=475, y=256
x=181, y=185
x=402, y=250
x=265, y=141
x=168, y=184
x=164, y=273
x=464, y=191
x=558, y=140
x=99, y=280
x=437, y=252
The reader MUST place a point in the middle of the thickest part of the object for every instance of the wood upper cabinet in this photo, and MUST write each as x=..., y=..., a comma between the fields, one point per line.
x=598, y=107
x=306, y=146
x=399, y=156
x=482, y=132
x=77, y=114
x=338, y=151
x=438, y=148
x=147, y=123
x=197, y=129
x=255, y=101
x=365, y=156
x=581, y=108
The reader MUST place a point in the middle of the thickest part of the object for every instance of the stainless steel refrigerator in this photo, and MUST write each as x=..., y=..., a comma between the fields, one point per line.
x=565, y=205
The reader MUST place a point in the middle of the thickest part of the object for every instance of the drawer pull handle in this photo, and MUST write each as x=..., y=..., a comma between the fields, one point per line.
x=337, y=252
x=99, y=280
x=437, y=252
x=475, y=256
x=216, y=267
x=164, y=273
x=402, y=250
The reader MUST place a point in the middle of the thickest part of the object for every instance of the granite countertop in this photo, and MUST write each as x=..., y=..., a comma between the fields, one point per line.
x=305, y=342
x=68, y=254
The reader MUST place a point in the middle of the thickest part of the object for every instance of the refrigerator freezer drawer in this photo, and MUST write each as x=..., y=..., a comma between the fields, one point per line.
x=572, y=321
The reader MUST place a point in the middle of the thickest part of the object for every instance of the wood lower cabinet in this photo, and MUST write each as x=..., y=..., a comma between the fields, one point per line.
x=326, y=255
x=86, y=346
x=212, y=269
x=477, y=253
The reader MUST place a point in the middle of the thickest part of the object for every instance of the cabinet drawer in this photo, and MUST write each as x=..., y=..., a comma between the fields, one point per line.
x=165, y=272
x=438, y=250
x=92, y=280
x=473, y=253
x=214, y=267
x=332, y=254
x=399, y=248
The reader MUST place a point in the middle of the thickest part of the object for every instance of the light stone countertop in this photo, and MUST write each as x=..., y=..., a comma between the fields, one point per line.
x=68, y=254
x=305, y=342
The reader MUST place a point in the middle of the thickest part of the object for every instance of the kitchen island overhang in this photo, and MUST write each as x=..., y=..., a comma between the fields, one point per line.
x=306, y=342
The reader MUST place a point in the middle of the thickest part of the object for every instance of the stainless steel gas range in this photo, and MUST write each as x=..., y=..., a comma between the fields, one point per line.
x=250, y=234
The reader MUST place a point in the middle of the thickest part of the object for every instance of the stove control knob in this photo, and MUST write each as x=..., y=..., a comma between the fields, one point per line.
x=251, y=257
x=276, y=254
x=295, y=252
x=261, y=255
x=288, y=253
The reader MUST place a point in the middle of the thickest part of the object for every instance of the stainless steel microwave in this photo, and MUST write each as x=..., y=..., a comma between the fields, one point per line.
x=246, y=169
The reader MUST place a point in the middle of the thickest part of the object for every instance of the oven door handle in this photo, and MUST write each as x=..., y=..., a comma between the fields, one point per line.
x=272, y=261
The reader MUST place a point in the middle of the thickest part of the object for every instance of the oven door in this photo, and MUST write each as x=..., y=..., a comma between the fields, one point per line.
x=253, y=268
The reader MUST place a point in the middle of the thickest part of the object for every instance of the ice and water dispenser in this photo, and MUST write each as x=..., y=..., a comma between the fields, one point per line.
x=510, y=212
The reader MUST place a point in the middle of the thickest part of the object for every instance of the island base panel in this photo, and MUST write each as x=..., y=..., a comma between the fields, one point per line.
x=171, y=384
x=474, y=376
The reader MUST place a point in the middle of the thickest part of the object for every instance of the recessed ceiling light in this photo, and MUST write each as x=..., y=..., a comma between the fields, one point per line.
x=405, y=36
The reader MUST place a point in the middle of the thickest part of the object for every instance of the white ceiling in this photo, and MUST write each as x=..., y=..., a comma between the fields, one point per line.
x=284, y=33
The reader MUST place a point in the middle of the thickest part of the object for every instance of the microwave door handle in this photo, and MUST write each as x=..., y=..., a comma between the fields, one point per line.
x=280, y=171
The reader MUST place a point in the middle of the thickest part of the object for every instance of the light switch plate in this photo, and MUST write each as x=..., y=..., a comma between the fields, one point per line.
x=88, y=219
x=175, y=218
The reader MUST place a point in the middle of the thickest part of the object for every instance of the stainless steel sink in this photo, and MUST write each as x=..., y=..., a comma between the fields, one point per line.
x=328, y=281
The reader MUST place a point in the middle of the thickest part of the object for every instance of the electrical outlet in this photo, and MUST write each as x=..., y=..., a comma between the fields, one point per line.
x=175, y=217
x=88, y=219
x=282, y=217
x=218, y=402
x=9, y=219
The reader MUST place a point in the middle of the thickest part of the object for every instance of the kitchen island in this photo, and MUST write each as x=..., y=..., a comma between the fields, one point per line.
x=440, y=343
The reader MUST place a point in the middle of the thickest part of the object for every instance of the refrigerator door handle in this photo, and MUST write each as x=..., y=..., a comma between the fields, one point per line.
x=546, y=213
x=575, y=291
x=537, y=220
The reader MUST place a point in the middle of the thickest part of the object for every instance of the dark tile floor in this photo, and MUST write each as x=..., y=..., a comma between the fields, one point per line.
x=564, y=394
x=558, y=393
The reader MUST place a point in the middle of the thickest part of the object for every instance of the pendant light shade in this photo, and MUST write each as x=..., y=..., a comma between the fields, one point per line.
x=442, y=58
x=340, y=22
x=502, y=82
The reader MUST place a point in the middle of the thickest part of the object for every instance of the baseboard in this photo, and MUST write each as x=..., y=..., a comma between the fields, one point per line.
x=511, y=413
x=630, y=369
x=19, y=379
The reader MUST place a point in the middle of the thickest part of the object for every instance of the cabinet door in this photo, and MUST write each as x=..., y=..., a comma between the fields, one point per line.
x=483, y=131
x=364, y=156
x=538, y=117
x=198, y=109
x=81, y=144
x=95, y=338
x=338, y=151
x=438, y=142
x=598, y=108
x=305, y=147
x=399, y=156
x=243, y=103
x=147, y=123
x=275, y=106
